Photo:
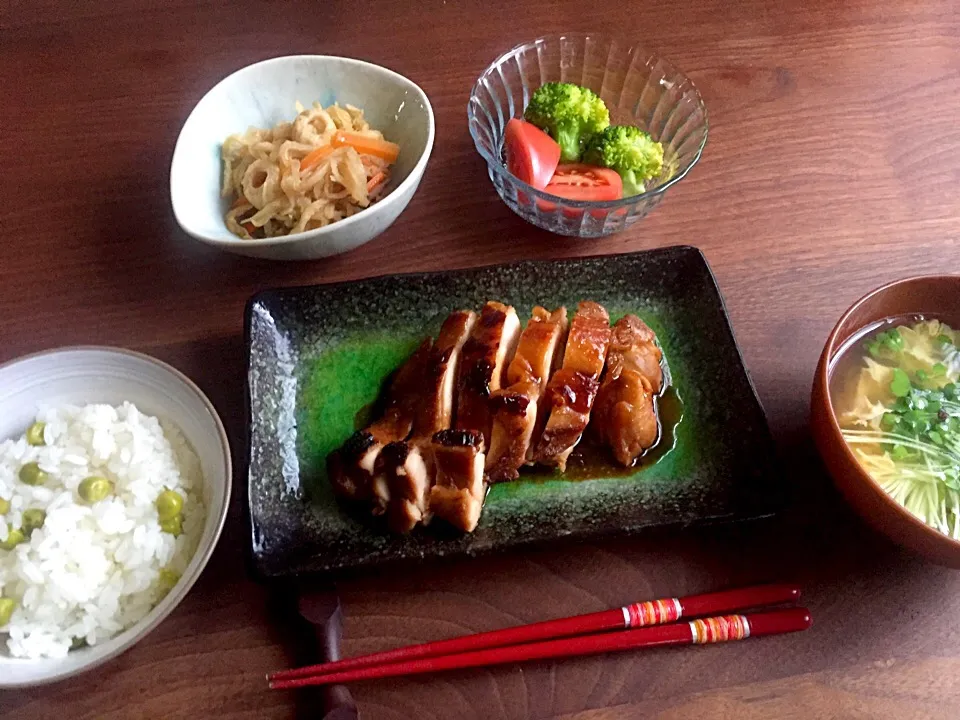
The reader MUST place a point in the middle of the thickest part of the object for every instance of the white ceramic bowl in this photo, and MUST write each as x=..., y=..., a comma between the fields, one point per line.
x=265, y=94
x=83, y=375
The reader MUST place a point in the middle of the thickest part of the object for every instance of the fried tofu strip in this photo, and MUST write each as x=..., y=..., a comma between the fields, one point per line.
x=572, y=389
x=516, y=408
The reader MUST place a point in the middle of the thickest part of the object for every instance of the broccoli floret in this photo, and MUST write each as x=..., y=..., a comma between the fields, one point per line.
x=570, y=114
x=628, y=150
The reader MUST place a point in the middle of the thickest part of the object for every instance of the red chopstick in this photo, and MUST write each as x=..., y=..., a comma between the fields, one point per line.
x=696, y=632
x=654, y=612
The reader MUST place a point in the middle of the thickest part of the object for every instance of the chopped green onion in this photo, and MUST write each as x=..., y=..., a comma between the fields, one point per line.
x=899, y=452
x=894, y=340
x=900, y=385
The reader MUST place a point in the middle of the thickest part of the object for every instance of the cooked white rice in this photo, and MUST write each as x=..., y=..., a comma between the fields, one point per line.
x=93, y=571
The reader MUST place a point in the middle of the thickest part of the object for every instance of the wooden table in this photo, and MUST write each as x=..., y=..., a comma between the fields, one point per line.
x=832, y=167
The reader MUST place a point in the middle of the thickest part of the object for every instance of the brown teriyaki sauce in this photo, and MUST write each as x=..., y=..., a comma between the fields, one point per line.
x=592, y=460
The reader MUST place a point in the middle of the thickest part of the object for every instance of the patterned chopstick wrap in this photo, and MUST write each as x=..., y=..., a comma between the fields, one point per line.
x=653, y=612
x=720, y=629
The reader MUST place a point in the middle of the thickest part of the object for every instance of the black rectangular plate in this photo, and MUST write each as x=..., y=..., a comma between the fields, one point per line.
x=318, y=355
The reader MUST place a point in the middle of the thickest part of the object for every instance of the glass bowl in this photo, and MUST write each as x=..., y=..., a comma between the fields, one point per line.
x=638, y=87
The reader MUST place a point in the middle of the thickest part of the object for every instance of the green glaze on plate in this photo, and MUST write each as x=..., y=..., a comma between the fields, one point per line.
x=337, y=390
x=319, y=356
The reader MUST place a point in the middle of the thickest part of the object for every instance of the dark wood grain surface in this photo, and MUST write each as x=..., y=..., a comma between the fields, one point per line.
x=832, y=167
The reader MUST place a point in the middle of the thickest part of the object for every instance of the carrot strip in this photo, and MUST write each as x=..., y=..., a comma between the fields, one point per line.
x=363, y=144
x=242, y=200
x=375, y=180
x=314, y=157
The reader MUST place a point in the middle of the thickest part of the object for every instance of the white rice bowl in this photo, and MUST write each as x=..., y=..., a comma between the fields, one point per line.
x=92, y=571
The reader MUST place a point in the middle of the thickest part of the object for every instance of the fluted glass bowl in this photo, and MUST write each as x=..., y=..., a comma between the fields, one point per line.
x=638, y=87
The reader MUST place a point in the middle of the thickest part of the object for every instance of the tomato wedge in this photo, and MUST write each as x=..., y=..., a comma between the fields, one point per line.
x=532, y=155
x=585, y=182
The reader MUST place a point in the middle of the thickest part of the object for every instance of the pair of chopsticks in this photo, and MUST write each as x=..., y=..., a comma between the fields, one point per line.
x=640, y=625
